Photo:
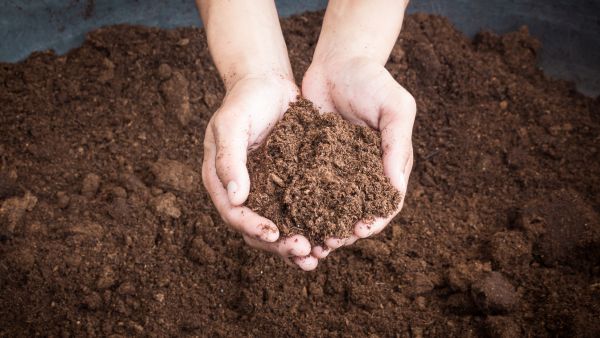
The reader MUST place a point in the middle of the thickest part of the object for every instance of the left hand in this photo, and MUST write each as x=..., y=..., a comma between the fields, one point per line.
x=365, y=93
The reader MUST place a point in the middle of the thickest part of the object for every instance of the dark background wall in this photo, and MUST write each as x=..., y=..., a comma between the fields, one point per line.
x=569, y=30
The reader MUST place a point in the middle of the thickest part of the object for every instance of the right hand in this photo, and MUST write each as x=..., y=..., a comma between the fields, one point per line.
x=250, y=110
x=363, y=92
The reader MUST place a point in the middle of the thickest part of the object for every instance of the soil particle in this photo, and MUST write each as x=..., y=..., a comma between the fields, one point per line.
x=201, y=253
x=120, y=209
x=118, y=192
x=36, y=228
x=423, y=56
x=174, y=175
x=134, y=184
x=175, y=91
x=494, y=293
x=501, y=327
x=317, y=175
x=126, y=289
x=204, y=221
x=12, y=211
x=211, y=99
x=510, y=249
x=106, y=279
x=372, y=249
x=461, y=276
x=461, y=304
x=108, y=73
x=164, y=71
x=8, y=187
x=159, y=297
x=22, y=259
x=421, y=283
x=166, y=204
x=93, y=301
x=565, y=225
x=87, y=229
x=361, y=295
x=62, y=199
x=90, y=185
x=416, y=332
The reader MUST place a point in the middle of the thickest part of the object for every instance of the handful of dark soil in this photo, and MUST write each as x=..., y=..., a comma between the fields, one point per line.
x=318, y=174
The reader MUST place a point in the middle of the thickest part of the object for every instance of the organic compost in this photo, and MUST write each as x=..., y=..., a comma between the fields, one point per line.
x=105, y=229
x=317, y=175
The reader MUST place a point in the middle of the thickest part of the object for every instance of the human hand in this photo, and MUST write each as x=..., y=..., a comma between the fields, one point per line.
x=250, y=109
x=364, y=93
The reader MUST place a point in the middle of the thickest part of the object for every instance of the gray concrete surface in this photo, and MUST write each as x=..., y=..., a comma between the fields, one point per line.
x=569, y=30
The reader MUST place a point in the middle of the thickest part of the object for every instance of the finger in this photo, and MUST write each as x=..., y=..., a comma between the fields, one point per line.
x=396, y=124
x=351, y=240
x=241, y=219
x=334, y=243
x=296, y=245
x=231, y=139
x=407, y=171
x=330, y=244
x=306, y=263
x=364, y=229
x=320, y=251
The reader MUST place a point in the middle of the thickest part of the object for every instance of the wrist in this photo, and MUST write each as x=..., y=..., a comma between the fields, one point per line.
x=250, y=69
x=360, y=29
x=274, y=79
x=326, y=68
x=245, y=39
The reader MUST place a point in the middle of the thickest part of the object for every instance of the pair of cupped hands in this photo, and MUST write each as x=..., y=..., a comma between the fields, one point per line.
x=359, y=89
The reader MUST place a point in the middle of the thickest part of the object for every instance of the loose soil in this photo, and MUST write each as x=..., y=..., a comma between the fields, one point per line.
x=318, y=174
x=106, y=231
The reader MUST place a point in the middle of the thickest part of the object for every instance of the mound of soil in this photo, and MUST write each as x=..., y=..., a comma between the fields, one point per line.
x=317, y=175
x=105, y=229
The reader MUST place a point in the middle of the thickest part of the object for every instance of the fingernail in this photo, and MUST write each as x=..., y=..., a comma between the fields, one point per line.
x=269, y=233
x=231, y=188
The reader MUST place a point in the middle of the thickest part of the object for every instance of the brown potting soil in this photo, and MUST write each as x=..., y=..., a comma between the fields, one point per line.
x=318, y=174
x=105, y=229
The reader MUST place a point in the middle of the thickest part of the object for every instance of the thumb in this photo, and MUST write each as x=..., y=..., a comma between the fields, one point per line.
x=231, y=139
x=396, y=123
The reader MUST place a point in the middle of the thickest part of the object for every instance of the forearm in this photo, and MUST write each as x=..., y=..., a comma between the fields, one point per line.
x=245, y=39
x=360, y=29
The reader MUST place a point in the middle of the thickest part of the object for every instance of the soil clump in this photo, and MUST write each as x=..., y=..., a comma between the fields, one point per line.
x=317, y=175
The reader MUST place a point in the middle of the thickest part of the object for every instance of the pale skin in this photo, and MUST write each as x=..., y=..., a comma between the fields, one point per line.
x=346, y=76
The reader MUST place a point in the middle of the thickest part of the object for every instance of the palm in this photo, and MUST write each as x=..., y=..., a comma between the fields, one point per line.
x=355, y=93
x=249, y=111
x=253, y=106
x=364, y=93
